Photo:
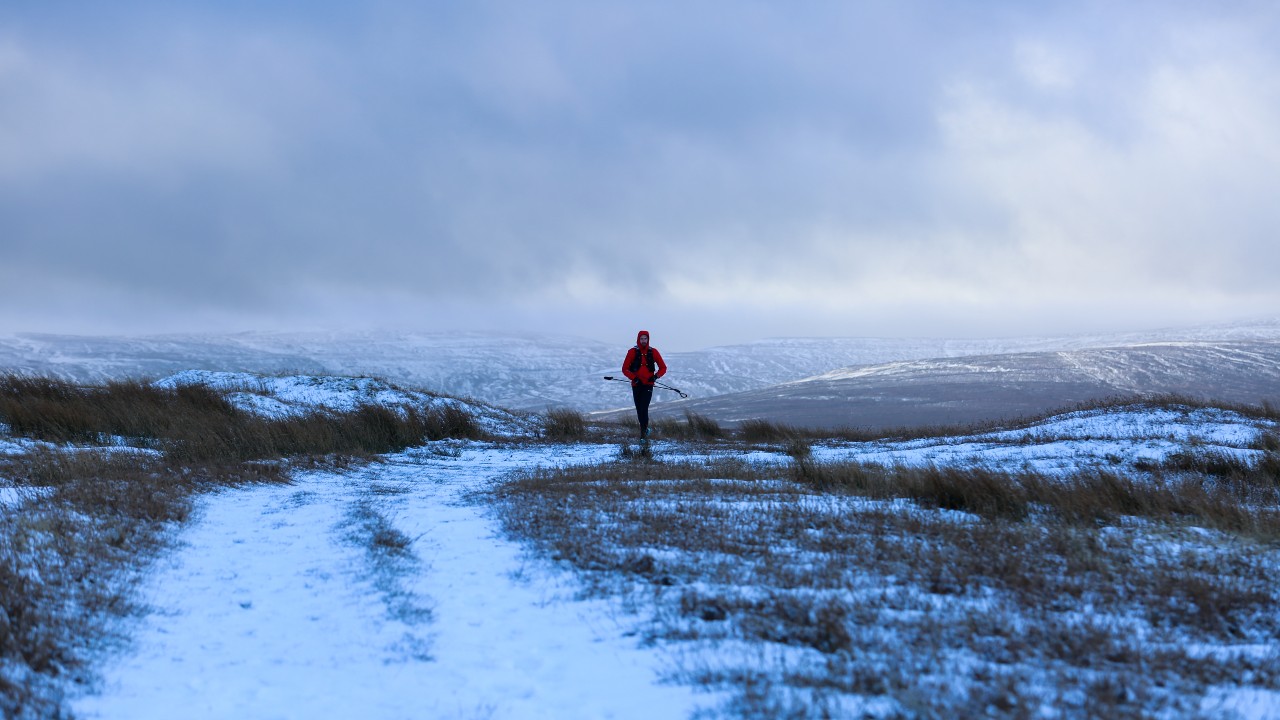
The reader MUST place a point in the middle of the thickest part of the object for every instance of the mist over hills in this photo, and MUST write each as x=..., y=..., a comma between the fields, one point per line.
x=809, y=381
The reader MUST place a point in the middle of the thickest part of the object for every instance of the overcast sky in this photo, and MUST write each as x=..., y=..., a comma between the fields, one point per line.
x=712, y=171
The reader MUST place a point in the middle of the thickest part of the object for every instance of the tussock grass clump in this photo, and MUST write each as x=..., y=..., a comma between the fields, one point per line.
x=1087, y=499
x=638, y=454
x=942, y=591
x=1268, y=442
x=58, y=411
x=194, y=423
x=1265, y=410
x=565, y=425
x=694, y=427
x=369, y=429
x=702, y=427
x=758, y=430
x=1207, y=462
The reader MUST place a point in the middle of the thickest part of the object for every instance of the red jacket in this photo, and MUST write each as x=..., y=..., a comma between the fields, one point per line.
x=648, y=356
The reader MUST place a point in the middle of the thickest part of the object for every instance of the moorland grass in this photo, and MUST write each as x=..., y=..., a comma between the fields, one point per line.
x=565, y=425
x=951, y=592
x=88, y=518
x=896, y=582
x=195, y=423
x=694, y=427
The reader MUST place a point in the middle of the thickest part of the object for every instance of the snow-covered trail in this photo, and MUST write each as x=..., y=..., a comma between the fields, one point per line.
x=269, y=610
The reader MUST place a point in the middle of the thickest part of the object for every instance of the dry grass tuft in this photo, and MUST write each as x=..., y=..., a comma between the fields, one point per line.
x=565, y=425
x=694, y=427
x=758, y=430
x=58, y=411
x=194, y=423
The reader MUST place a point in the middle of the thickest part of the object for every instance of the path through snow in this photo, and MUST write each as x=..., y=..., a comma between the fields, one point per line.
x=269, y=610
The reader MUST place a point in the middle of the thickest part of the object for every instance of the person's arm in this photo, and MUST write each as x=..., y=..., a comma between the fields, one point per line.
x=626, y=364
x=662, y=367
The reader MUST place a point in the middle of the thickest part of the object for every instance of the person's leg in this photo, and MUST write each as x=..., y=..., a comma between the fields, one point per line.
x=642, y=394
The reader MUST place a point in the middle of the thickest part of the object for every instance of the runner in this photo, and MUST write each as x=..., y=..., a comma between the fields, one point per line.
x=642, y=367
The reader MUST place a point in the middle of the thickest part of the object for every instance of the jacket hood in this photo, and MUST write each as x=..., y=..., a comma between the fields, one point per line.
x=646, y=334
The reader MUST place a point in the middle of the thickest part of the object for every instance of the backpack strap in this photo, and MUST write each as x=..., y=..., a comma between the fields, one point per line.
x=645, y=356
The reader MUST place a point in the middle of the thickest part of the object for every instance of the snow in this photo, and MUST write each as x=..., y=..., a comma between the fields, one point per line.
x=17, y=446
x=1241, y=703
x=273, y=607
x=294, y=395
x=1070, y=442
x=10, y=496
x=297, y=394
x=268, y=612
x=498, y=368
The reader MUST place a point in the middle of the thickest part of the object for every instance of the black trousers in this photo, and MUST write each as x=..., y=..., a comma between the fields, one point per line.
x=642, y=394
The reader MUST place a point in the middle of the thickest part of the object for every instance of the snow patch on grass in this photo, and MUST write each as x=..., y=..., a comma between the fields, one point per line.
x=296, y=395
x=1068, y=443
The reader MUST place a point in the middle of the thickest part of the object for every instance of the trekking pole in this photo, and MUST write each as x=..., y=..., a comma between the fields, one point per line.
x=655, y=384
x=682, y=393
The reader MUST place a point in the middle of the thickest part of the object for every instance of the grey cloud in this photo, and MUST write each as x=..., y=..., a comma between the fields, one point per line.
x=249, y=159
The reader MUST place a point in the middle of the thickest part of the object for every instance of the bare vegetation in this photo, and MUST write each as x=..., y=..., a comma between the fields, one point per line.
x=88, y=519
x=695, y=427
x=195, y=423
x=390, y=557
x=565, y=425
x=763, y=431
x=816, y=590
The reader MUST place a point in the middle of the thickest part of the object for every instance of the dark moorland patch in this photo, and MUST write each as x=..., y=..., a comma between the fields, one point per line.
x=759, y=430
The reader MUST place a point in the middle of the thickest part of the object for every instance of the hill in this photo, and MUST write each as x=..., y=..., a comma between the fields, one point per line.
x=945, y=391
x=533, y=372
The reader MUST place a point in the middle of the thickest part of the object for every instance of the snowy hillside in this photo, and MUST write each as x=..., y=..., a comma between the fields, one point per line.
x=1001, y=387
x=528, y=372
x=292, y=395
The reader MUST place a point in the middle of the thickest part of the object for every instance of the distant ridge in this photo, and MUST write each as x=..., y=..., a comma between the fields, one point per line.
x=945, y=391
x=534, y=372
